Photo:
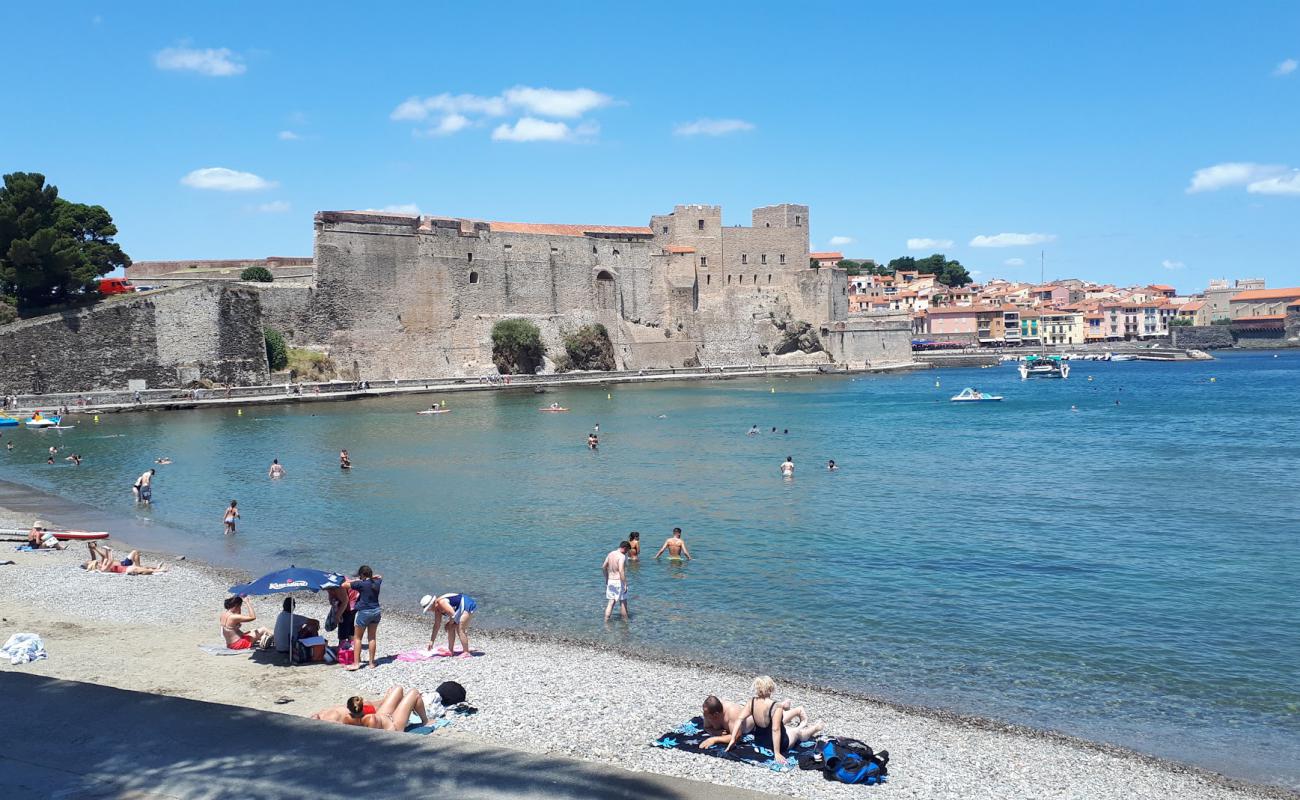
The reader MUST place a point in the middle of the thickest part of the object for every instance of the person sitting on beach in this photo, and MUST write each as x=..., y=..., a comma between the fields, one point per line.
x=232, y=621
x=276, y=470
x=458, y=609
x=289, y=627
x=103, y=561
x=769, y=721
x=40, y=538
x=675, y=546
x=720, y=716
x=391, y=713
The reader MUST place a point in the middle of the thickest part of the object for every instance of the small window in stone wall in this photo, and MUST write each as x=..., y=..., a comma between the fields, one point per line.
x=555, y=249
x=704, y=261
x=701, y=224
x=708, y=279
x=755, y=279
x=728, y=279
x=769, y=278
x=783, y=258
x=767, y=224
x=473, y=276
x=796, y=220
x=665, y=229
x=744, y=258
x=593, y=248
x=764, y=258
x=507, y=246
x=469, y=256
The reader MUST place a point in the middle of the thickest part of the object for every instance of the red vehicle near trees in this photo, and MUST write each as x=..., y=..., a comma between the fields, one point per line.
x=115, y=286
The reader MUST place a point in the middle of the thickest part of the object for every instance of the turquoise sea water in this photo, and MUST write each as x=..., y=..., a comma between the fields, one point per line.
x=1125, y=572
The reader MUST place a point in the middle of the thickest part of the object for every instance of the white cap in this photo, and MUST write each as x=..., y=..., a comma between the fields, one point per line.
x=426, y=603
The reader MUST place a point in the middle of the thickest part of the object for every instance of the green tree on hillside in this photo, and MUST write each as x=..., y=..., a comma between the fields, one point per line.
x=52, y=250
x=947, y=271
x=517, y=347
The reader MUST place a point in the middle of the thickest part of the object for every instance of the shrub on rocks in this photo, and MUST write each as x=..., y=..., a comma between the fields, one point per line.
x=277, y=352
x=259, y=274
x=517, y=347
x=587, y=348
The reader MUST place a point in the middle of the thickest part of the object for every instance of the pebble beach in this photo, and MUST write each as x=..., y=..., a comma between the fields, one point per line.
x=542, y=696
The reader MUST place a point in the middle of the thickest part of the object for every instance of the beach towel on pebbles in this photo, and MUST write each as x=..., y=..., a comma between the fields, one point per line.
x=753, y=748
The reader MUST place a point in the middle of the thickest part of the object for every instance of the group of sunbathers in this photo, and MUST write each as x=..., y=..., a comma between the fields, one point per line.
x=104, y=561
x=762, y=715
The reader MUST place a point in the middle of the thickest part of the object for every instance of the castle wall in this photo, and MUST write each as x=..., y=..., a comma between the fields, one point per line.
x=166, y=338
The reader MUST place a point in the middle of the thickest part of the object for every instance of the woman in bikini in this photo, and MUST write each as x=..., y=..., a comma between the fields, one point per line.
x=232, y=621
x=769, y=719
x=392, y=713
x=232, y=515
x=458, y=608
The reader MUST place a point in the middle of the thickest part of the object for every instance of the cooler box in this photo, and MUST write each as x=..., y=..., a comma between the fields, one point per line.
x=315, y=647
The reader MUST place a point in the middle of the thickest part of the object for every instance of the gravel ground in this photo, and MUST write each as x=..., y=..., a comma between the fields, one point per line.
x=577, y=700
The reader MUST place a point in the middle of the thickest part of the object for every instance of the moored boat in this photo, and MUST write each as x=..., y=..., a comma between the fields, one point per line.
x=38, y=421
x=1044, y=367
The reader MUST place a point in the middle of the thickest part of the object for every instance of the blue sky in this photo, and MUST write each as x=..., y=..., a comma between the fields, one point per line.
x=1083, y=127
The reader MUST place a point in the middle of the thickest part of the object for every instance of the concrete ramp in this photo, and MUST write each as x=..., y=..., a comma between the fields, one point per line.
x=77, y=740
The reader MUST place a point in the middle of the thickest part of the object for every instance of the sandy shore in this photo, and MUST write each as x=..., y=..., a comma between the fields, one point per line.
x=142, y=633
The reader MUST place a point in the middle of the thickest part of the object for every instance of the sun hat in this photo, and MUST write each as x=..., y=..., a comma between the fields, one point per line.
x=39, y=524
x=426, y=603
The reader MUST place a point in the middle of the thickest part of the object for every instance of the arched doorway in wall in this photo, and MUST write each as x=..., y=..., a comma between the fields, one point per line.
x=605, y=291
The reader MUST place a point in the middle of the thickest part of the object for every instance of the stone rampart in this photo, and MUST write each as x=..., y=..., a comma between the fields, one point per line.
x=166, y=338
x=1201, y=337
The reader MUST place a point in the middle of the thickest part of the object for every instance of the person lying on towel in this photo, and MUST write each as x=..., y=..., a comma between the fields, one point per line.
x=391, y=713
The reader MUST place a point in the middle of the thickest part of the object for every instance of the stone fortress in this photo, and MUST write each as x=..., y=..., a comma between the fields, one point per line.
x=394, y=296
x=401, y=296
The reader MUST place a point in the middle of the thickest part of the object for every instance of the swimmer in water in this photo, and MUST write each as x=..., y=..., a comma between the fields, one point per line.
x=345, y=462
x=830, y=465
x=232, y=514
x=676, y=547
x=634, y=539
x=1074, y=408
x=163, y=460
x=753, y=430
x=276, y=470
x=787, y=467
x=592, y=441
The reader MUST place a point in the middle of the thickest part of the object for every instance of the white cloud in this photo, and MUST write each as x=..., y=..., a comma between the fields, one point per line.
x=217, y=63
x=1232, y=173
x=1012, y=239
x=225, y=180
x=400, y=208
x=840, y=241
x=274, y=207
x=1014, y=262
x=288, y=136
x=449, y=124
x=1281, y=184
x=415, y=108
x=1170, y=264
x=567, y=103
x=712, y=127
x=928, y=244
x=531, y=129
x=1286, y=67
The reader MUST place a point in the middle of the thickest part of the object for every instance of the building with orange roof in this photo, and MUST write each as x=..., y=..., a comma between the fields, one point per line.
x=1254, y=303
x=827, y=259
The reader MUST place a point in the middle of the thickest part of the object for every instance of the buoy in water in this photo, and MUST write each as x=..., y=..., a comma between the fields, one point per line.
x=936, y=384
x=1211, y=380
x=1089, y=377
x=96, y=419
x=773, y=390
x=609, y=396
x=239, y=412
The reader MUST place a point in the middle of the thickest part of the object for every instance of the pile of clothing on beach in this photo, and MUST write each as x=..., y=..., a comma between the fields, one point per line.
x=22, y=648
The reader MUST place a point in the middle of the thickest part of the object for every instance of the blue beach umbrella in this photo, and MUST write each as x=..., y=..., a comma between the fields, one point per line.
x=293, y=579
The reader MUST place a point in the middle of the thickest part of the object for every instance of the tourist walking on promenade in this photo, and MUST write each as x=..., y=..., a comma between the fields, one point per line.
x=458, y=608
x=276, y=470
x=232, y=514
x=366, y=586
x=615, y=569
x=675, y=546
x=143, y=487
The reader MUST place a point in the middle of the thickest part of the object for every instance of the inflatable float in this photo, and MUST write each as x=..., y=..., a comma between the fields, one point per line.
x=553, y=409
x=37, y=421
x=63, y=535
x=8, y=422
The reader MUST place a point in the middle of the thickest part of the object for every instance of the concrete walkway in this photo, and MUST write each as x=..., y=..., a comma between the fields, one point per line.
x=78, y=740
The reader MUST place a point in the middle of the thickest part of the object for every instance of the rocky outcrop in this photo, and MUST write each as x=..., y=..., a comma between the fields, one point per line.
x=800, y=336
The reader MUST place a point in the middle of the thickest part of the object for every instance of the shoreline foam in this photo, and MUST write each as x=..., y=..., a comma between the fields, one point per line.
x=543, y=693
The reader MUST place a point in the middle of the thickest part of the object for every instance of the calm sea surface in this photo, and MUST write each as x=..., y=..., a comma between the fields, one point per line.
x=1128, y=572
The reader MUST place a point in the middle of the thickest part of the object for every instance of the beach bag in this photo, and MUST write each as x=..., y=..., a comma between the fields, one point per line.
x=846, y=760
x=452, y=693
x=346, y=656
x=332, y=618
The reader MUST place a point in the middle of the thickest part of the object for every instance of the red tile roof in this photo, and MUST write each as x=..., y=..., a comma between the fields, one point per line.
x=1253, y=295
x=545, y=229
x=827, y=256
x=673, y=248
x=1195, y=305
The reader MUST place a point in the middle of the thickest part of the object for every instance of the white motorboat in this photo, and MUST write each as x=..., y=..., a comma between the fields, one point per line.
x=1044, y=367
